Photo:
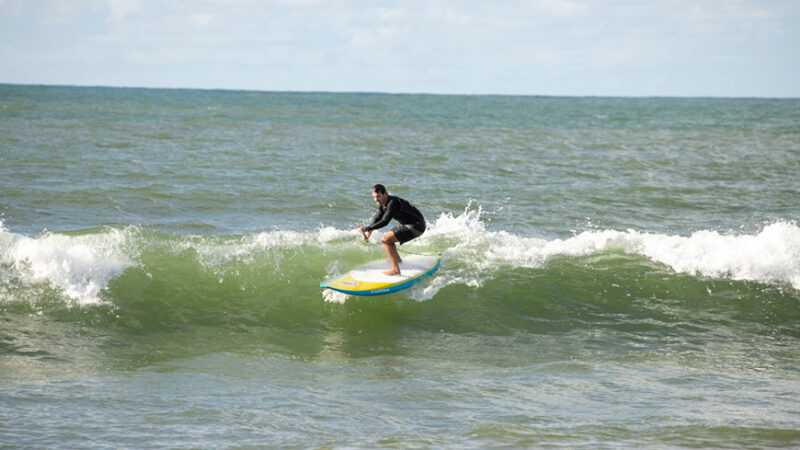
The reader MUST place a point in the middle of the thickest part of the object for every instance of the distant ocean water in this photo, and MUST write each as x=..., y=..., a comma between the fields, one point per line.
x=617, y=272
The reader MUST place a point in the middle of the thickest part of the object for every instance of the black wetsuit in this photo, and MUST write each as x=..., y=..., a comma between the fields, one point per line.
x=412, y=223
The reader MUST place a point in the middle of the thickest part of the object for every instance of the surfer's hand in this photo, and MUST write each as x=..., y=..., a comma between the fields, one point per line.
x=364, y=233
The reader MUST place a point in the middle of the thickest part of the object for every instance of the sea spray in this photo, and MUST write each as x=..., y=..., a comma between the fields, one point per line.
x=770, y=256
x=80, y=265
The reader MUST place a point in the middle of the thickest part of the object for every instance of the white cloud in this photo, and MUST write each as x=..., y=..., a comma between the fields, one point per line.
x=514, y=46
x=563, y=8
x=120, y=9
x=202, y=19
x=59, y=14
x=11, y=8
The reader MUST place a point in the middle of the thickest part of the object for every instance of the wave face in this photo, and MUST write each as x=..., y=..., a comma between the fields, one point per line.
x=227, y=278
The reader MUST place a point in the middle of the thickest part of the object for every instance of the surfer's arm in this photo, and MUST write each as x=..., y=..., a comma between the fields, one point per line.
x=377, y=217
x=383, y=217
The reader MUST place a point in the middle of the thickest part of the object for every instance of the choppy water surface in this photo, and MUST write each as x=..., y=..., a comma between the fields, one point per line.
x=616, y=272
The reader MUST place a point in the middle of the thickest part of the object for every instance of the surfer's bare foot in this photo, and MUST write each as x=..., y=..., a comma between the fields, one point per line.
x=392, y=272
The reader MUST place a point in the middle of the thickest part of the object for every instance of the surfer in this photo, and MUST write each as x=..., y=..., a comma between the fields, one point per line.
x=412, y=224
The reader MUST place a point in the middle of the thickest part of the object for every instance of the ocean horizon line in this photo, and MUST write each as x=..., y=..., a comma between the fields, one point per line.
x=389, y=93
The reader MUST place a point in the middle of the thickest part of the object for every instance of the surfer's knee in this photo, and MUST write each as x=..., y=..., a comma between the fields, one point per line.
x=388, y=238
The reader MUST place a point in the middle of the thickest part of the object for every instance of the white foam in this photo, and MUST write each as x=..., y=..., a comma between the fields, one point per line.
x=332, y=296
x=219, y=252
x=330, y=234
x=79, y=266
x=772, y=255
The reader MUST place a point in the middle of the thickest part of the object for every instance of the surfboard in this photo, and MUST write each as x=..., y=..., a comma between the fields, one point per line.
x=370, y=280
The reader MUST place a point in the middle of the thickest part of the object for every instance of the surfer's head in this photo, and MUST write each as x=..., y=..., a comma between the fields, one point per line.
x=379, y=194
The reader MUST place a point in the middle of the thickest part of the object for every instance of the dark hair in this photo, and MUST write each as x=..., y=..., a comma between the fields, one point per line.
x=379, y=188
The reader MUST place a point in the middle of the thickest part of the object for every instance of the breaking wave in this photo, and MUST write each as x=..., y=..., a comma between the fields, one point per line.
x=88, y=267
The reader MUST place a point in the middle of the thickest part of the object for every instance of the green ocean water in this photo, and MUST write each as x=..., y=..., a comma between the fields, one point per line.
x=616, y=272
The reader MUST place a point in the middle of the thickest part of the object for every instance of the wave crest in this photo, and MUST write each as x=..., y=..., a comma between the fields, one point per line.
x=772, y=255
x=81, y=265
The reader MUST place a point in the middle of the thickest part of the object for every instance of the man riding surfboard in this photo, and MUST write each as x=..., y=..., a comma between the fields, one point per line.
x=412, y=224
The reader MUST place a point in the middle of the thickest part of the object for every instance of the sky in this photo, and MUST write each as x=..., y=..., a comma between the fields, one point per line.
x=709, y=48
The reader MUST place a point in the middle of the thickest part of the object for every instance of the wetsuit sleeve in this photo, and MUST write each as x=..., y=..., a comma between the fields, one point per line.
x=381, y=220
x=377, y=216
